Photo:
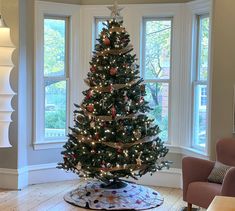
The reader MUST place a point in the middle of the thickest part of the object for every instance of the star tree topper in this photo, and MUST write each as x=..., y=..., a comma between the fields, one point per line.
x=115, y=10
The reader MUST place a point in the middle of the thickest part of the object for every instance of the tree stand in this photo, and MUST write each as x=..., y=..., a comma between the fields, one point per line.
x=118, y=195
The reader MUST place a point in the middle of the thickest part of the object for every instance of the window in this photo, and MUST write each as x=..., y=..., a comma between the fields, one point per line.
x=56, y=77
x=55, y=38
x=200, y=83
x=156, y=69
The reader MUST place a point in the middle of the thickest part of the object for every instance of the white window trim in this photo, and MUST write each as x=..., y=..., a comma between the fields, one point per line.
x=195, y=9
x=59, y=10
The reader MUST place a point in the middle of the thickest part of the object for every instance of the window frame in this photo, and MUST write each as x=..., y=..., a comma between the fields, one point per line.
x=163, y=81
x=196, y=81
x=70, y=13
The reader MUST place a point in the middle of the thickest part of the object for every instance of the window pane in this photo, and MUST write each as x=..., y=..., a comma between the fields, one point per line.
x=157, y=96
x=54, y=47
x=55, y=108
x=99, y=26
x=200, y=115
x=157, y=49
x=203, y=47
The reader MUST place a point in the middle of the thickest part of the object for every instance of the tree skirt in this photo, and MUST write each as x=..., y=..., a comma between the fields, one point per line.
x=132, y=197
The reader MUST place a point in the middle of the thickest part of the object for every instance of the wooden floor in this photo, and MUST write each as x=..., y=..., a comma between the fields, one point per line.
x=49, y=196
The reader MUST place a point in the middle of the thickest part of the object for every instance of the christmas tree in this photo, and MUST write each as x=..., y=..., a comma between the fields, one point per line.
x=113, y=137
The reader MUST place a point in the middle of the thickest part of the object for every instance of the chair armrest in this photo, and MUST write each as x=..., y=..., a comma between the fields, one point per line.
x=228, y=187
x=195, y=169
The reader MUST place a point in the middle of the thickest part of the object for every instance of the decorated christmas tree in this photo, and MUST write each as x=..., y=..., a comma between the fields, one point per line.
x=113, y=137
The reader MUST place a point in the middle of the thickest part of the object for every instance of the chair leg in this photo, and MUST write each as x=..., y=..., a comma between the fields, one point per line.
x=189, y=207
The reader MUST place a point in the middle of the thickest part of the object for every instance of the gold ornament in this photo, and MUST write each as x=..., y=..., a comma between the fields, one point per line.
x=92, y=124
x=139, y=161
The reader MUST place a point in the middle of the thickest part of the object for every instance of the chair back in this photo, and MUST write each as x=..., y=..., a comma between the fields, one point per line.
x=225, y=151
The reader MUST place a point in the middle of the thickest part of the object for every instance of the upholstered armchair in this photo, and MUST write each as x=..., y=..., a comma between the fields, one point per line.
x=196, y=188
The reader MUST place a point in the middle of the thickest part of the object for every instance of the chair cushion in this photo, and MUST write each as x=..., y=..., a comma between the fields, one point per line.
x=218, y=172
x=202, y=193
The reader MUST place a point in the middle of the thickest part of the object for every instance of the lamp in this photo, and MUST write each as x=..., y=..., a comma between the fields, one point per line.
x=6, y=93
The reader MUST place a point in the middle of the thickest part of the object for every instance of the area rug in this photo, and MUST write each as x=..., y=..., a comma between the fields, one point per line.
x=90, y=195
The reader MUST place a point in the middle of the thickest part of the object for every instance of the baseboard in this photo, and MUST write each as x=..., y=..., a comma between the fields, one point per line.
x=48, y=173
x=171, y=178
x=44, y=173
x=13, y=178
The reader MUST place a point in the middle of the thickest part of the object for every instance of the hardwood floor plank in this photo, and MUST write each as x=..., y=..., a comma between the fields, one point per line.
x=49, y=197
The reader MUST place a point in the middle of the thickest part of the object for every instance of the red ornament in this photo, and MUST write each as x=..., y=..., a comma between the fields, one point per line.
x=113, y=71
x=119, y=150
x=89, y=94
x=106, y=41
x=113, y=112
x=126, y=98
x=90, y=107
x=97, y=136
x=92, y=69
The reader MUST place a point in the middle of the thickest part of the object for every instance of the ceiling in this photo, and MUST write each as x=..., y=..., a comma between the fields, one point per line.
x=108, y=2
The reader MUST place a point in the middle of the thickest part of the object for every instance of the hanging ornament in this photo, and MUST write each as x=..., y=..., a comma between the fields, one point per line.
x=137, y=133
x=119, y=150
x=90, y=107
x=79, y=166
x=125, y=153
x=133, y=66
x=128, y=105
x=142, y=87
x=127, y=108
x=113, y=71
x=80, y=118
x=146, y=127
x=106, y=41
x=93, y=69
x=97, y=136
x=141, y=99
x=139, y=161
x=92, y=124
x=89, y=94
x=126, y=98
x=154, y=144
x=111, y=88
x=113, y=112
x=108, y=165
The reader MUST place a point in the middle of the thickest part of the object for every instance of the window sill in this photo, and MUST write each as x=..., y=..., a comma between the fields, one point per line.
x=187, y=151
x=54, y=144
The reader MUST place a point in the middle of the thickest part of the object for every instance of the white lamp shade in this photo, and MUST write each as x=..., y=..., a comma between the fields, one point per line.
x=5, y=38
x=4, y=137
x=6, y=54
x=5, y=87
x=6, y=93
x=5, y=103
x=5, y=116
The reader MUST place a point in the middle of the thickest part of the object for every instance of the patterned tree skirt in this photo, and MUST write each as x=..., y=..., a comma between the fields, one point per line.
x=132, y=197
